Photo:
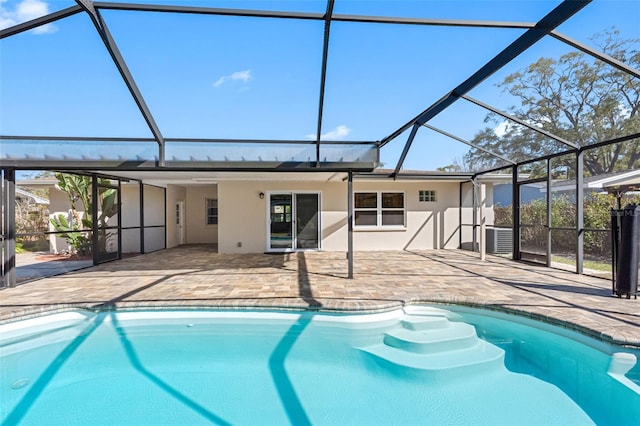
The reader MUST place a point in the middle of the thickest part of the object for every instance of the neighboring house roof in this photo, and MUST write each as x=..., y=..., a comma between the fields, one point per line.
x=38, y=182
x=605, y=181
x=630, y=184
x=38, y=200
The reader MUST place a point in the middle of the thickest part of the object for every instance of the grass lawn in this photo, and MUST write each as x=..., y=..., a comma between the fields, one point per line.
x=589, y=264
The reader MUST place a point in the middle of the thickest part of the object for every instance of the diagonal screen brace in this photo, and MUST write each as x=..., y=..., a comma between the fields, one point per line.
x=116, y=56
x=521, y=122
x=466, y=142
x=37, y=22
x=557, y=16
x=594, y=53
x=412, y=136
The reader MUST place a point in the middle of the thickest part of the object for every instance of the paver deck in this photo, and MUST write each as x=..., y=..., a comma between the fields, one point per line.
x=197, y=276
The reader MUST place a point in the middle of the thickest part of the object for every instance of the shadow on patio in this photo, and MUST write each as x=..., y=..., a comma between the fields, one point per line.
x=193, y=277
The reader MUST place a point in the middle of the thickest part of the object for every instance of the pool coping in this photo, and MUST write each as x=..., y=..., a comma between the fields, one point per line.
x=345, y=306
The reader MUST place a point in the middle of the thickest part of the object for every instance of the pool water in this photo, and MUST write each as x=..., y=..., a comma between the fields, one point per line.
x=423, y=365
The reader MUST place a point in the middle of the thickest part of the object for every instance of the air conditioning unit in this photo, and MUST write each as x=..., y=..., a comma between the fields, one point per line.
x=499, y=240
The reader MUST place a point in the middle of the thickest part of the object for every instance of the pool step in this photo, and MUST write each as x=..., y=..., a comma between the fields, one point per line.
x=478, y=357
x=428, y=342
x=454, y=336
x=425, y=311
x=424, y=322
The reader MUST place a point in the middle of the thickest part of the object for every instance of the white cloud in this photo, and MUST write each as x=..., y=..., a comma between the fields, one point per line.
x=243, y=76
x=501, y=129
x=540, y=123
x=5, y=21
x=24, y=11
x=336, y=134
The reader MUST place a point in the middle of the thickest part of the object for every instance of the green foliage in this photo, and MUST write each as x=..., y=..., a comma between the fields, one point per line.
x=28, y=244
x=503, y=215
x=80, y=241
x=79, y=188
x=563, y=212
x=597, y=216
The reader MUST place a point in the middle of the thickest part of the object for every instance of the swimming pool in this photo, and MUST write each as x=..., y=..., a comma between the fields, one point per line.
x=420, y=365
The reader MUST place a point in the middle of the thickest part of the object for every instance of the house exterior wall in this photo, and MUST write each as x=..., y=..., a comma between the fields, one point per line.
x=58, y=205
x=243, y=215
x=154, y=214
x=197, y=231
x=489, y=215
x=130, y=211
x=429, y=225
x=243, y=223
x=484, y=213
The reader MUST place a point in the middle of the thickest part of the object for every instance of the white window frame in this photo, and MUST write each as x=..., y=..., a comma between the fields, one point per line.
x=206, y=211
x=379, y=209
x=428, y=196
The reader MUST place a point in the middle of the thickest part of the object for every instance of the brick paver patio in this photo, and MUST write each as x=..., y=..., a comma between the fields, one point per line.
x=198, y=276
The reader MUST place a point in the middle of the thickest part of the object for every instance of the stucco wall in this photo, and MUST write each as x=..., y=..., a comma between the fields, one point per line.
x=58, y=204
x=429, y=225
x=197, y=230
x=130, y=211
x=486, y=213
x=154, y=212
x=243, y=216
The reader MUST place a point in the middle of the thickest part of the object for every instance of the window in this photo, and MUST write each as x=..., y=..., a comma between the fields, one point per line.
x=427, y=195
x=379, y=209
x=212, y=211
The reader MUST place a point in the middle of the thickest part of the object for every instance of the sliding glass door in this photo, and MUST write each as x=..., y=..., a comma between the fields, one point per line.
x=280, y=222
x=307, y=221
x=294, y=221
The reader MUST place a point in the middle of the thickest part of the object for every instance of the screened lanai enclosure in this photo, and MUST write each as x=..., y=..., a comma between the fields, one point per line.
x=509, y=128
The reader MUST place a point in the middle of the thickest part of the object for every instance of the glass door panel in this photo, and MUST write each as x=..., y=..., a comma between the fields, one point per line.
x=281, y=226
x=307, y=221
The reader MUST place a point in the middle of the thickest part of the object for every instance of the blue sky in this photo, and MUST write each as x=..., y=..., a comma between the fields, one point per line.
x=227, y=77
